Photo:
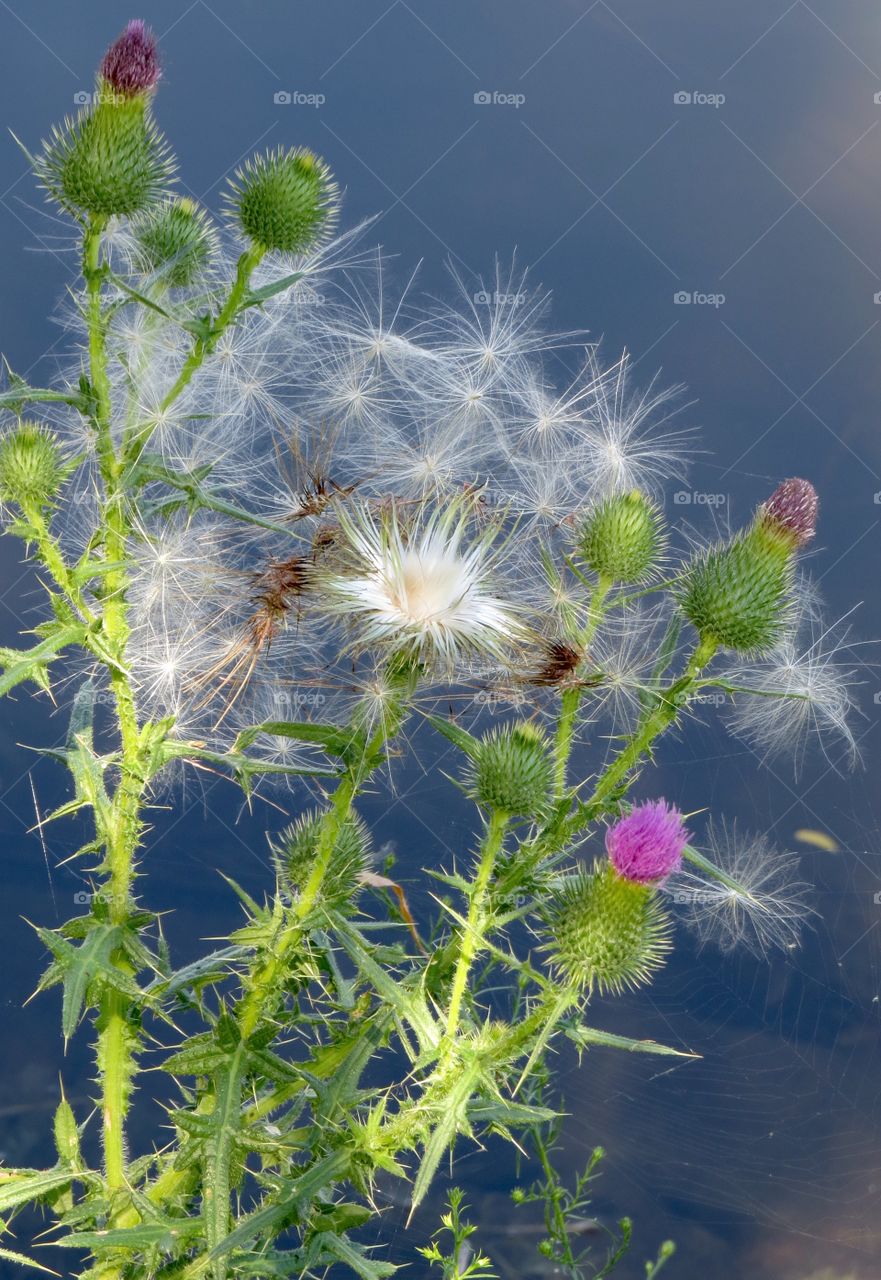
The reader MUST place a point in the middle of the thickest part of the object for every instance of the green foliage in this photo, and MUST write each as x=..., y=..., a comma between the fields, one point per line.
x=460, y=1261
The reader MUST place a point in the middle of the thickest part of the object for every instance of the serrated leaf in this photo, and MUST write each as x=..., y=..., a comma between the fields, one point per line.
x=78, y=967
x=31, y=664
x=166, y=1235
x=11, y=1256
x=23, y=1186
x=585, y=1036
x=458, y=736
x=255, y=296
x=408, y=1002
x=333, y=740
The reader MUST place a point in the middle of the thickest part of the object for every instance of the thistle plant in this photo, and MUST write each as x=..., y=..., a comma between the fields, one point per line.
x=286, y=518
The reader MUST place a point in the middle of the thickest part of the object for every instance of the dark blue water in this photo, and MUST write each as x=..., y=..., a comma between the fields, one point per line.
x=763, y=1157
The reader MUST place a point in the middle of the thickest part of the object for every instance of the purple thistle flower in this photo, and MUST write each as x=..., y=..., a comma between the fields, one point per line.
x=647, y=844
x=793, y=507
x=131, y=64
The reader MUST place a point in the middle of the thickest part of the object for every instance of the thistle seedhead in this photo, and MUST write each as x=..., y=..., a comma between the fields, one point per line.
x=296, y=846
x=646, y=844
x=284, y=200
x=31, y=465
x=607, y=933
x=512, y=770
x=175, y=240
x=622, y=538
x=131, y=64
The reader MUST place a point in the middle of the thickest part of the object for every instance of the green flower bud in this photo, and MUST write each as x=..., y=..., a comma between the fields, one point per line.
x=175, y=240
x=295, y=849
x=31, y=466
x=737, y=594
x=607, y=933
x=67, y=1137
x=622, y=539
x=512, y=770
x=110, y=161
x=284, y=200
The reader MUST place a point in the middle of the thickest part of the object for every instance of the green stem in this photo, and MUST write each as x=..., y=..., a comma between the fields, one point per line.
x=571, y=697
x=654, y=723
x=205, y=344
x=264, y=980
x=49, y=553
x=490, y=849
x=122, y=836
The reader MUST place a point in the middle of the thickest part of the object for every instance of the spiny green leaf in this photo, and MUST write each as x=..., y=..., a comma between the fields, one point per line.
x=255, y=296
x=31, y=664
x=11, y=1256
x=24, y=1186
x=458, y=736
x=585, y=1036
x=77, y=968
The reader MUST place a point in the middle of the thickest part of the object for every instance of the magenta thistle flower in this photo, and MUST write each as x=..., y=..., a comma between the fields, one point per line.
x=793, y=507
x=647, y=844
x=131, y=64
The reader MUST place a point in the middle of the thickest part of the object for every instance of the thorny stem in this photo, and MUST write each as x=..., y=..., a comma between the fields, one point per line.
x=490, y=849
x=122, y=833
x=654, y=724
x=264, y=981
x=205, y=343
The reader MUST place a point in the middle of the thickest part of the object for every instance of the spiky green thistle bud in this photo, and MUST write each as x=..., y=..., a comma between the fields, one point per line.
x=284, y=200
x=296, y=846
x=31, y=465
x=175, y=240
x=607, y=933
x=622, y=538
x=110, y=161
x=738, y=594
x=512, y=770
